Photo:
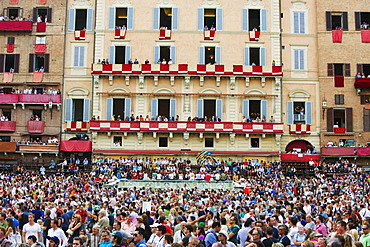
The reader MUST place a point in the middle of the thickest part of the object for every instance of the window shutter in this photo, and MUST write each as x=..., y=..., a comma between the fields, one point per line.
x=173, y=54
x=349, y=126
x=296, y=22
x=245, y=26
x=2, y=63
x=360, y=68
x=366, y=120
x=16, y=63
x=109, y=108
x=31, y=65
x=301, y=22
x=86, y=114
x=46, y=63
x=34, y=14
x=49, y=12
x=127, y=53
x=175, y=21
x=308, y=112
x=219, y=19
x=345, y=21
x=263, y=20
x=112, y=55
x=201, y=55
x=218, y=55
x=246, y=56
x=200, y=19
x=329, y=25
x=154, y=108
x=296, y=59
x=362, y=99
x=290, y=116
x=329, y=119
x=357, y=20
x=71, y=19
x=76, y=56
x=156, y=53
x=200, y=108
x=263, y=56
x=347, y=70
x=68, y=110
x=82, y=56
x=301, y=59
x=173, y=107
x=245, y=108
x=330, y=69
x=89, y=20
x=156, y=19
x=127, y=108
x=130, y=18
x=112, y=18
x=264, y=109
x=218, y=109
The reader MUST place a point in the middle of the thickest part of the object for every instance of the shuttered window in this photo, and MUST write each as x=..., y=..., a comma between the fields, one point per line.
x=339, y=99
x=299, y=22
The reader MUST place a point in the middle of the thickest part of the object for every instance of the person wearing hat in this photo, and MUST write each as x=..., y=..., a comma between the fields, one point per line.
x=53, y=241
x=222, y=239
x=153, y=239
x=117, y=238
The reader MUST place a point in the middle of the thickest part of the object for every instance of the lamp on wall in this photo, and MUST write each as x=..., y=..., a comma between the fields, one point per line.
x=324, y=105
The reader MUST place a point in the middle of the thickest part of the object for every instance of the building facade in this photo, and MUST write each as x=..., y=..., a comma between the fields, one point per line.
x=31, y=68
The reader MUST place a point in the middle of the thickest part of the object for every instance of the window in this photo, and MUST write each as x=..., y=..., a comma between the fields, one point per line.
x=339, y=99
x=121, y=17
x=299, y=60
x=117, y=141
x=363, y=69
x=299, y=22
x=121, y=108
x=78, y=107
x=255, y=142
x=362, y=20
x=77, y=110
x=339, y=69
x=79, y=56
x=13, y=13
x=165, y=17
x=165, y=53
x=366, y=120
x=119, y=54
x=80, y=19
x=163, y=142
x=210, y=108
x=365, y=99
x=7, y=112
x=339, y=117
x=208, y=142
x=38, y=61
x=37, y=112
x=299, y=112
x=40, y=40
x=255, y=56
x=254, y=18
x=336, y=20
x=11, y=40
x=4, y=138
x=43, y=13
x=9, y=61
x=210, y=18
x=210, y=55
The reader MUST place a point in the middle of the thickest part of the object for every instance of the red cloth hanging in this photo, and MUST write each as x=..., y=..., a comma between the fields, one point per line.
x=40, y=48
x=336, y=36
x=41, y=27
x=13, y=2
x=43, y=1
x=38, y=76
x=8, y=77
x=338, y=81
x=365, y=35
x=76, y=146
x=10, y=48
x=36, y=126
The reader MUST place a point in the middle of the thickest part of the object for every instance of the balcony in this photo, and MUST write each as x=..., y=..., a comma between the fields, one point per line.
x=362, y=82
x=39, y=98
x=7, y=125
x=164, y=34
x=177, y=69
x=300, y=157
x=300, y=129
x=8, y=147
x=338, y=151
x=8, y=98
x=77, y=126
x=39, y=148
x=119, y=33
x=16, y=26
x=35, y=126
x=182, y=126
x=299, y=117
x=209, y=34
x=76, y=146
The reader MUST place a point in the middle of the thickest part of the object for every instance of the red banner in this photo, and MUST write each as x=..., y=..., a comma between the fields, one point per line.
x=363, y=151
x=15, y=25
x=80, y=35
x=8, y=98
x=365, y=36
x=254, y=35
x=300, y=157
x=336, y=151
x=43, y=1
x=7, y=125
x=8, y=77
x=40, y=48
x=8, y=146
x=38, y=76
x=338, y=81
x=41, y=27
x=13, y=2
x=10, y=48
x=76, y=146
x=36, y=126
x=336, y=36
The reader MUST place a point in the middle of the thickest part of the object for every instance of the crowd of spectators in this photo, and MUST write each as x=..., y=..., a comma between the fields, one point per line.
x=29, y=90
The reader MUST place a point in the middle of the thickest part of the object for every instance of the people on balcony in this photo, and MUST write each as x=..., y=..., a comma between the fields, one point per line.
x=365, y=26
x=272, y=119
x=4, y=118
x=35, y=118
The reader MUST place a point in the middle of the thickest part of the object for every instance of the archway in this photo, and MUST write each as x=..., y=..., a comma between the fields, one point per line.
x=300, y=146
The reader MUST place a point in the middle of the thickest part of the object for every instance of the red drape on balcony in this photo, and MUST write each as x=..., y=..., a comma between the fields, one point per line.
x=164, y=34
x=300, y=157
x=336, y=36
x=183, y=67
x=10, y=48
x=80, y=35
x=331, y=151
x=76, y=146
x=8, y=146
x=363, y=151
x=8, y=77
x=7, y=125
x=43, y=1
x=238, y=68
x=339, y=130
x=36, y=126
x=257, y=69
x=119, y=33
x=338, y=81
x=38, y=76
x=16, y=25
x=254, y=35
x=362, y=82
x=41, y=27
x=13, y=2
x=209, y=34
x=8, y=98
x=365, y=36
x=40, y=48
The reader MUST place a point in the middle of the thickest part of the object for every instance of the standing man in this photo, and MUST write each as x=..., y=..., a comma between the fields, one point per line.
x=211, y=237
x=365, y=238
x=31, y=228
x=93, y=239
x=55, y=231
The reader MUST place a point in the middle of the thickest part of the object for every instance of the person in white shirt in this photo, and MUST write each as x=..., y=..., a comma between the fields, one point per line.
x=54, y=231
x=153, y=239
x=31, y=228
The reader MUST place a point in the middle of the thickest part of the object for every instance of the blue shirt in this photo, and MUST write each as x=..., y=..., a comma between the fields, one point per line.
x=106, y=244
x=211, y=238
x=141, y=243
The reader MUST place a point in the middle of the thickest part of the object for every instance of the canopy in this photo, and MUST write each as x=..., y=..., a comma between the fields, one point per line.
x=76, y=146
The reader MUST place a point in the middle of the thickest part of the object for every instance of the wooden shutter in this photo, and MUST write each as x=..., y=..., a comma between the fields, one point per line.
x=218, y=55
x=112, y=54
x=328, y=21
x=262, y=56
x=112, y=18
x=200, y=19
x=127, y=108
x=173, y=54
x=31, y=64
x=245, y=26
x=157, y=51
x=246, y=56
x=330, y=69
x=68, y=110
x=345, y=21
x=362, y=99
x=349, y=116
x=200, y=108
x=302, y=22
x=263, y=20
x=308, y=112
x=219, y=19
x=156, y=16
x=108, y=108
x=329, y=119
x=46, y=62
x=71, y=19
x=366, y=120
x=127, y=53
x=89, y=20
x=34, y=14
x=357, y=20
x=360, y=68
x=175, y=19
x=347, y=70
x=245, y=108
x=290, y=113
x=295, y=22
x=173, y=107
x=130, y=18
x=264, y=109
x=2, y=62
x=86, y=113
x=201, y=55
x=49, y=12
x=154, y=108
x=218, y=108
x=16, y=63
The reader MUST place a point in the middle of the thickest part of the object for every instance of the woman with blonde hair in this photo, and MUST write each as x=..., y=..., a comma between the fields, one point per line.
x=172, y=216
x=74, y=227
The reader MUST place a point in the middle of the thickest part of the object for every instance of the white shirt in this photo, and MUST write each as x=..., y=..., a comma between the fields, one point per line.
x=31, y=230
x=57, y=233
